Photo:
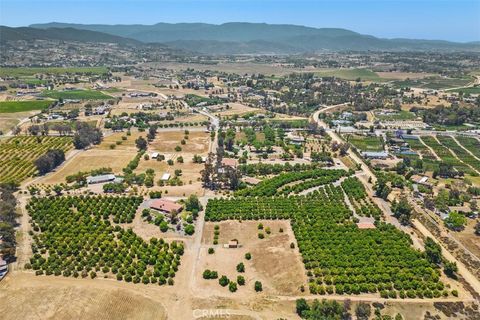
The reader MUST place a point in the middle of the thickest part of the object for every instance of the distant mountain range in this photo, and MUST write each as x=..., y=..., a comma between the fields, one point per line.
x=233, y=38
x=65, y=34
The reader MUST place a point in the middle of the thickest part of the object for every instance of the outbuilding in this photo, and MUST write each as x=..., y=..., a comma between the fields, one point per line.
x=101, y=178
x=375, y=155
x=165, y=177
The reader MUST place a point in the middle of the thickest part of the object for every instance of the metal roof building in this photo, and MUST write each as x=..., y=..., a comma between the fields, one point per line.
x=100, y=179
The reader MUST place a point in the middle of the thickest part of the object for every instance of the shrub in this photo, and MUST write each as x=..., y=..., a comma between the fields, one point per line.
x=241, y=280
x=232, y=286
x=223, y=281
x=211, y=251
x=248, y=256
x=258, y=286
x=240, y=267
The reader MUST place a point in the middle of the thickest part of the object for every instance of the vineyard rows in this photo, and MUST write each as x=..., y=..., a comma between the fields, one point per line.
x=17, y=155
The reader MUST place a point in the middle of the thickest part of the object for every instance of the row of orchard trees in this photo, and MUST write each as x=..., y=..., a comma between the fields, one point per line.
x=339, y=257
x=271, y=187
x=73, y=236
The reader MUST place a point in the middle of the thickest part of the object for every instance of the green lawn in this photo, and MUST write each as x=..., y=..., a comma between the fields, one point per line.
x=76, y=94
x=351, y=74
x=365, y=143
x=19, y=72
x=20, y=106
x=468, y=90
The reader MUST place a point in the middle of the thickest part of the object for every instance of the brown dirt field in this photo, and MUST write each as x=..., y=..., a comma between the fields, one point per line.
x=167, y=141
x=89, y=160
x=235, y=108
x=278, y=267
x=25, y=296
x=189, y=118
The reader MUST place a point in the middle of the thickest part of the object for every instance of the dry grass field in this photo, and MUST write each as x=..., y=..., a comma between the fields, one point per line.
x=166, y=141
x=126, y=145
x=89, y=160
x=25, y=296
x=10, y=120
x=234, y=108
x=273, y=262
x=468, y=238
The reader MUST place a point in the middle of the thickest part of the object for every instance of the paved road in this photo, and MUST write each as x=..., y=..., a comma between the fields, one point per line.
x=336, y=137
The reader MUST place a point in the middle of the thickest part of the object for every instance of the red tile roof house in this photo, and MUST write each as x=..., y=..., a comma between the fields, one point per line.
x=165, y=206
x=230, y=162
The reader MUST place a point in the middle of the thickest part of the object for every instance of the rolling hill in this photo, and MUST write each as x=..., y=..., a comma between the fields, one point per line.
x=240, y=37
x=64, y=34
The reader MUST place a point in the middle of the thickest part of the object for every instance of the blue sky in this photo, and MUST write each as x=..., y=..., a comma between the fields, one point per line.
x=457, y=20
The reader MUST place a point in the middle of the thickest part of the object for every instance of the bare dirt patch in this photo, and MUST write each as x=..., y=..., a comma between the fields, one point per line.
x=273, y=262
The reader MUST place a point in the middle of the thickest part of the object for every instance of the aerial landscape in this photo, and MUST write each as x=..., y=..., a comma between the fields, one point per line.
x=240, y=159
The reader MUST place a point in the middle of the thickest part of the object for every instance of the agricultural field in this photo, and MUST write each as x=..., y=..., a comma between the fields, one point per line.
x=435, y=83
x=332, y=246
x=76, y=94
x=366, y=143
x=23, y=106
x=17, y=155
x=461, y=153
x=24, y=72
x=357, y=195
x=471, y=144
x=350, y=74
x=466, y=90
x=101, y=246
x=446, y=155
x=292, y=182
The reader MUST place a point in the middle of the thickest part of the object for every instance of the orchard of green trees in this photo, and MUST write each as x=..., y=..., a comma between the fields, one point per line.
x=73, y=236
x=339, y=257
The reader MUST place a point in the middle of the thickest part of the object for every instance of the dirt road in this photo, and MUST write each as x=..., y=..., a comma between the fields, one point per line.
x=462, y=270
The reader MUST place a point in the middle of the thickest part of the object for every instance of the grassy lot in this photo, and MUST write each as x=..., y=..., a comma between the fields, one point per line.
x=401, y=115
x=351, y=74
x=76, y=94
x=365, y=143
x=20, y=106
x=468, y=90
x=19, y=72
